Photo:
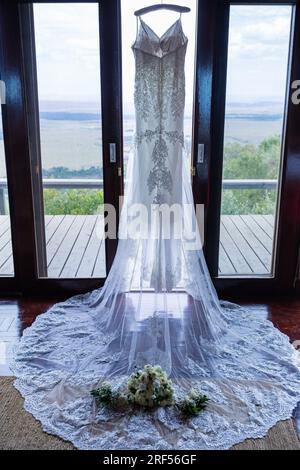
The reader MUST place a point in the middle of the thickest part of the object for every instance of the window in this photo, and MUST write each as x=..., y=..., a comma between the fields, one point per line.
x=68, y=71
x=258, y=53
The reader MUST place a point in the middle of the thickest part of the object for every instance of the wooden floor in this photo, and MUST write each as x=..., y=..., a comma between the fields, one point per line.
x=17, y=314
x=75, y=245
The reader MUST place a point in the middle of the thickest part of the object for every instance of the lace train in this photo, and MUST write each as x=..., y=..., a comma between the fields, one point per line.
x=245, y=403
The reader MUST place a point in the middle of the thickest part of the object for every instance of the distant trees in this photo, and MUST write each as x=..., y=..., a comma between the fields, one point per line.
x=248, y=161
x=73, y=201
x=65, y=172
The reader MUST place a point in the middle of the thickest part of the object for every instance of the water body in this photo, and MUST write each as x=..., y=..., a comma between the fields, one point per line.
x=71, y=134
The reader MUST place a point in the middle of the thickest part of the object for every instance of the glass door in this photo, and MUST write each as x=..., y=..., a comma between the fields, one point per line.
x=63, y=142
x=69, y=100
x=245, y=143
x=257, y=68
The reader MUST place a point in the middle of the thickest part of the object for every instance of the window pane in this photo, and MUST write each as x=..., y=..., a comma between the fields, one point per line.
x=255, y=98
x=159, y=21
x=68, y=68
x=6, y=258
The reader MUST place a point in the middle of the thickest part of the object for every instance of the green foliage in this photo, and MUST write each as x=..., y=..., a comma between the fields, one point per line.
x=73, y=201
x=248, y=201
x=104, y=394
x=247, y=161
x=193, y=404
x=65, y=172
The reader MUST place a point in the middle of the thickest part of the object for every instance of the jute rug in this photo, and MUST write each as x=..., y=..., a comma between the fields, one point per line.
x=20, y=431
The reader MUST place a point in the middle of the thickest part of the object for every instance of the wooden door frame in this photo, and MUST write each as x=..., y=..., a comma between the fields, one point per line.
x=211, y=71
x=17, y=156
x=18, y=132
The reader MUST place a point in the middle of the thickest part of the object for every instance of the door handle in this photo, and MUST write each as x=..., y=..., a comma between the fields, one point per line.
x=200, y=156
x=113, y=153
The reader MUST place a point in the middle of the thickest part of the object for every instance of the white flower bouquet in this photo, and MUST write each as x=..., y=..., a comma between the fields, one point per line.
x=149, y=388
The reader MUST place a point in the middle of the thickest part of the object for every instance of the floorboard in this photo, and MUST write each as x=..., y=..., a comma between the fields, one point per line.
x=75, y=248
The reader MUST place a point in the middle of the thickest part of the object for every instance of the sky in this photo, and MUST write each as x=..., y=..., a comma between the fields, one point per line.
x=67, y=46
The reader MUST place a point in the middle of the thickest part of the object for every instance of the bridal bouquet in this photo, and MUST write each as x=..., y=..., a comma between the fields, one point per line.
x=149, y=388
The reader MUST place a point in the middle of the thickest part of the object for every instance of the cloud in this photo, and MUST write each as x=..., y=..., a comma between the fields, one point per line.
x=67, y=44
x=257, y=33
x=67, y=47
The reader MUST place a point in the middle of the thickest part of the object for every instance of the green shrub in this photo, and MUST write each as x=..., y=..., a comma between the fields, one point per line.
x=73, y=201
x=248, y=201
x=248, y=161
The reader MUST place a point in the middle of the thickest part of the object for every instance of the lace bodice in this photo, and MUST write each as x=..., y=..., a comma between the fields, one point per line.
x=159, y=103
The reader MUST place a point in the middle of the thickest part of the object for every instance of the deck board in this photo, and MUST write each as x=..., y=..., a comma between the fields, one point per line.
x=270, y=219
x=71, y=266
x=99, y=268
x=253, y=258
x=238, y=261
x=264, y=224
x=58, y=261
x=4, y=225
x=88, y=261
x=260, y=234
x=249, y=233
x=225, y=264
x=58, y=237
x=76, y=247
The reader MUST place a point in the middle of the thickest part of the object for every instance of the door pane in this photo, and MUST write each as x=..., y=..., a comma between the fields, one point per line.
x=159, y=21
x=6, y=258
x=255, y=99
x=68, y=70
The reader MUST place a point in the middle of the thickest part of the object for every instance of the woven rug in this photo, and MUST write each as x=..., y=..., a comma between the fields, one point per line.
x=20, y=431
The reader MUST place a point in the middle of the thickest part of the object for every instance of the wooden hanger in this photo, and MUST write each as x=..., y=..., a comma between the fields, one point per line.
x=162, y=6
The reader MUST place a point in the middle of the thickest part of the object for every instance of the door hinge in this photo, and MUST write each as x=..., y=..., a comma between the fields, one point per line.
x=193, y=171
x=119, y=171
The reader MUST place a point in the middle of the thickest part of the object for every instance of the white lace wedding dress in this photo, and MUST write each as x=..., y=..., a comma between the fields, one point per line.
x=158, y=306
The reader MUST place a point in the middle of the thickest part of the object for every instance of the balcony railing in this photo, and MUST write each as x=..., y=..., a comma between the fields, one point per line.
x=52, y=183
x=249, y=184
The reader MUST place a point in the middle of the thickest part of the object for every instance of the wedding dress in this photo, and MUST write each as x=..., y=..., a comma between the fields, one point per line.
x=158, y=306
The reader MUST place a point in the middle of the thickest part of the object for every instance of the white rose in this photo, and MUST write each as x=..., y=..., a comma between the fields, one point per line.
x=156, y=383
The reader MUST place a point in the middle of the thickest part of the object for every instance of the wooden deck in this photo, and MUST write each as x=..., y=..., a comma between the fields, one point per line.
x=246, y=244
x=75, y=250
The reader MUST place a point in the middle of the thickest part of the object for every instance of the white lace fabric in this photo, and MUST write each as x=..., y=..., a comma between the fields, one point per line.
x=248, y=369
